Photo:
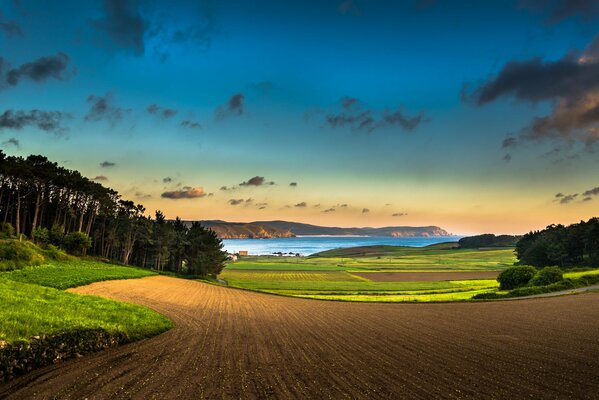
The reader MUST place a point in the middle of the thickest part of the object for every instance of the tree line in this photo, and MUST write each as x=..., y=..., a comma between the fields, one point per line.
x=564, y=246
x=57, y=206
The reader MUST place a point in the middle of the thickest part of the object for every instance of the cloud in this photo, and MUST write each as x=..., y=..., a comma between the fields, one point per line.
x=39, y=70
x=225, y=188
x=10, y=28
x=255, y=181
x=507, y=157
x=557, y=196
x=168, y=179
x=48, y=121
x=186, y=192
x=107, y=164
x=141, y=195
x=509, y=142
x=102, y=107
x=234, y=107
x=12, y=142
x=303, y=204
x=100, y=178
x=569, y=84
x=235, y=202
x=592, y=192
x=568, y=198
x=365, y=211
x=559, y=10
x=358, y=118
x=399, y=214
x=161, y=112
x=328, y=210
x=293, y=184
x=122, y=25
x=190, y=124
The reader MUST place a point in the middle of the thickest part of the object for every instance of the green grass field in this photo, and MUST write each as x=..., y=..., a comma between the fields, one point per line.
x=34, y=304
x=77, y=272
x=328, y=275
x=28, y=310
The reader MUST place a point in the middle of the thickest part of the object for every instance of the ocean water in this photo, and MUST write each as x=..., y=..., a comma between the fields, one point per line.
x=306, y=245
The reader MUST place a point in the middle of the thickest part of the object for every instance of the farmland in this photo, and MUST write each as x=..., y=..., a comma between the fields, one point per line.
x=230, y=343
x=378, y=273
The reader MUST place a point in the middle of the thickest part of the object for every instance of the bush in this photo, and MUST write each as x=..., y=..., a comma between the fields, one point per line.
x=6, y=230
x=77, y=243
x=16, y=255
x=41, y=236
x=547, y=276
x=56, y=235
x=515, y=277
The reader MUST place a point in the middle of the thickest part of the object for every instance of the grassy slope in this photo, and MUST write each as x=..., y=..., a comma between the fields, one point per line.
x=328, y=275
x=78, y=272
x=32, y=305
x=28, y=310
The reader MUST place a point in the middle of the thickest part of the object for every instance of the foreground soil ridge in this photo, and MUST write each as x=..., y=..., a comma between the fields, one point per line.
x=230, y=343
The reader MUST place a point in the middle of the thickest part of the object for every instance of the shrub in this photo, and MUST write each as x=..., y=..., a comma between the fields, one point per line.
x=515, y=277
x=15, y=255
x=56, y=235
x=77, y=243
x=41, y=236
x=6, y=230
x=547, y=276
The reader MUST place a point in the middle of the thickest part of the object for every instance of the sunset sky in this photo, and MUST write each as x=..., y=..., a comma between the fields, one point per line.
x=473, y=116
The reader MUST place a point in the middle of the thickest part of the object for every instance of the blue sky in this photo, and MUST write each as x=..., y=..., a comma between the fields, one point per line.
x=373, y=104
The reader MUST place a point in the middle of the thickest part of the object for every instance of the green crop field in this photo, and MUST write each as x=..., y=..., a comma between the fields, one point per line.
x=328, y=275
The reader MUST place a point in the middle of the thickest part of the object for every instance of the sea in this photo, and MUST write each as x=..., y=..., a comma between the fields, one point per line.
x=307, y=245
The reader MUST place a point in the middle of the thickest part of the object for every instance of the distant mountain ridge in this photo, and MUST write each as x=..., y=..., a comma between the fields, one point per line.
x=283, y=229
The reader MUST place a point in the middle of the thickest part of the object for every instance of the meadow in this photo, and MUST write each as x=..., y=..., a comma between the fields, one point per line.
x=375, y=273
x=35, y=304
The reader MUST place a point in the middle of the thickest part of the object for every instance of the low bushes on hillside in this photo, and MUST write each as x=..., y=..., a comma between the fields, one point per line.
x=547, y=276
x=16, y=254
x=515, y=277
x=565, y=284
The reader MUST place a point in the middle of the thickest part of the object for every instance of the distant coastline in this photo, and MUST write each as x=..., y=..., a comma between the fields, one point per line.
x=286, y=229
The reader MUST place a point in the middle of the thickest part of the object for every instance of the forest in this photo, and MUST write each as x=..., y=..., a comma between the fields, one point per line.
x=56, y=206
x=569, y=246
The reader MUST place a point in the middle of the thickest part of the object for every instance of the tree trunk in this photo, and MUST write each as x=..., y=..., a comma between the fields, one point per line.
x=37, y=210
x=18, y=214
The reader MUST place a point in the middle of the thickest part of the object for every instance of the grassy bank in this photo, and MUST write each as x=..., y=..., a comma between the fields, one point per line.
x=74, y=272
x=41, y=324
x=31, y=310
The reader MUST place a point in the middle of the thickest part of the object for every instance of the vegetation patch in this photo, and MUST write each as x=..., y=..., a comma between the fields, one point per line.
x=22, y=357
x=49, y=316
x=565, y=284
x=75, y=272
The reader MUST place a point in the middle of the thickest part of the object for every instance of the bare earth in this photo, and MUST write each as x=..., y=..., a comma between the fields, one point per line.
x=237, y=344
x=426, y=276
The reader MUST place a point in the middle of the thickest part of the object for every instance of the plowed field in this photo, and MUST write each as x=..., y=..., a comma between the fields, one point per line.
x=232, y=344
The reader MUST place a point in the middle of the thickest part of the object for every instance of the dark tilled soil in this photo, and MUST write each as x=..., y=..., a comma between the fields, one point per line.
x=425, y=276
x=231, y=344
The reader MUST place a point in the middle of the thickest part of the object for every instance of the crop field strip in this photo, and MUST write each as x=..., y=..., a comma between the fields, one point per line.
x=238, y=344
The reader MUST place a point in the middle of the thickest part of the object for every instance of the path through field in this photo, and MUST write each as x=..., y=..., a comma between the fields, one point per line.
x=233, y=344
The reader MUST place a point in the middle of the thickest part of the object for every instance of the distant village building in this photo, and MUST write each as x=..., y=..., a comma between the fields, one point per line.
x=242, y=253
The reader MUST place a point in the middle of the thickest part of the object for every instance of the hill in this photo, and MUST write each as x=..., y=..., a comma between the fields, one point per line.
x=282, y=229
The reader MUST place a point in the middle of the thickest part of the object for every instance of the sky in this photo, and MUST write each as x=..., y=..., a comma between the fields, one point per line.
x=472, y=116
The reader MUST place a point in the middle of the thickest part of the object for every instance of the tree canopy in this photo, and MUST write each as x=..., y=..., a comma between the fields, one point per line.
x=55, y=205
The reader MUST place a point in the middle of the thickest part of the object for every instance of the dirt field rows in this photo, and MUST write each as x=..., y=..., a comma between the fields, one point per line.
x=238, y=344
